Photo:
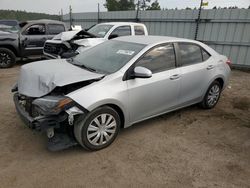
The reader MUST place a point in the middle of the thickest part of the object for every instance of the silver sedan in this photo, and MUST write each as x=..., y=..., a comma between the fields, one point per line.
x=119, y=83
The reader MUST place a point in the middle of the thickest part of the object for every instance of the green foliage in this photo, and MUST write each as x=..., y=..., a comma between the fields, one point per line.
x=116, y=5
x=23, y=15
x=154, y=6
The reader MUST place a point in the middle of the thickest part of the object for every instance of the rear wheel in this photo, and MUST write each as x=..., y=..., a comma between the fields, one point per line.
x=7, y=58
x=98, y=129
x=212, y=96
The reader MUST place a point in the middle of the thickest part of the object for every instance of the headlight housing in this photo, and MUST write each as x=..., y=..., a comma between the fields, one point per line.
x=53, y=105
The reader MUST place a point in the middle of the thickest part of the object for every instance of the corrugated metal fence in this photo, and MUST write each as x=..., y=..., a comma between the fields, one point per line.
x=225, y=30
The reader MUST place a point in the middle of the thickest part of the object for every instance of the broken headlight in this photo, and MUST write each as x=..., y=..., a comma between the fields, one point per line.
x=52, y=105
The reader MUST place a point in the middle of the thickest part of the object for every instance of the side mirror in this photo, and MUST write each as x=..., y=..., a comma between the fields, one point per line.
x=112, y=36
x=142, y=72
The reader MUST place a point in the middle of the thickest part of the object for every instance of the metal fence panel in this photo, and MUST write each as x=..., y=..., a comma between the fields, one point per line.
x=225, y=30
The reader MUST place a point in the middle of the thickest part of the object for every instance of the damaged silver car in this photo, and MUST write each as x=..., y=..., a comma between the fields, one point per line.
x=87, y=99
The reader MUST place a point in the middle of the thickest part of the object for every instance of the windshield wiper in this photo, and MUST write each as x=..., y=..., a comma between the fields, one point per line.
x=85, y=67
x=71, y=60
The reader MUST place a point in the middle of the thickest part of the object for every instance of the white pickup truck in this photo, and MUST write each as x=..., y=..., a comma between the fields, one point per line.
x=70, y=43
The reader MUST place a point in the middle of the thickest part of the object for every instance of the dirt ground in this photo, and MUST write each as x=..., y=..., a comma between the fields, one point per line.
x=186, y=148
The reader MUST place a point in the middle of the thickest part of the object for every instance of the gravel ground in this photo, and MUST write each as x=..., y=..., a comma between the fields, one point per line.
x=187, y=148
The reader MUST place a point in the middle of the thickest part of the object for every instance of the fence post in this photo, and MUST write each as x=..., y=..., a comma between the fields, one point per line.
x=198, y=21
x=137, y=11
x=98, y=13
x=70, y=17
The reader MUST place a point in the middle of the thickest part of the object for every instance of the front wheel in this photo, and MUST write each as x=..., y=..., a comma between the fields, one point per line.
x=212, y=96
x=98, y=129
x=7, y=58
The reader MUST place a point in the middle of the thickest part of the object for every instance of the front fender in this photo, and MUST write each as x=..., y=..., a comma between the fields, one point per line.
x=110, y=91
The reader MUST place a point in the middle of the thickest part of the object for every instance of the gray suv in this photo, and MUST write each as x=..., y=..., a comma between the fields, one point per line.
x=26, y=39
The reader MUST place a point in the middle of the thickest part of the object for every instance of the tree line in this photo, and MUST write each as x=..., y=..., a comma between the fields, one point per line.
x=23, y=15
x=118, y=5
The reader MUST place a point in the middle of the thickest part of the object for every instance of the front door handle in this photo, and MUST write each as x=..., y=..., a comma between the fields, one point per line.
x=175, y=77
x=210, y=67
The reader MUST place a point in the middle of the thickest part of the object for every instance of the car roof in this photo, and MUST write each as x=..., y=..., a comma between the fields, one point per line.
x=46, y=21
x=121, y=23
x=148, y=40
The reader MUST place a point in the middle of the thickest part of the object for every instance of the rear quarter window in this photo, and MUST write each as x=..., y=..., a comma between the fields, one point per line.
x=205, y=55
x=190, y=54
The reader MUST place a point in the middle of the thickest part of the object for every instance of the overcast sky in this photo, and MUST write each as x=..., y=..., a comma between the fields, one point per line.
x=54, y=6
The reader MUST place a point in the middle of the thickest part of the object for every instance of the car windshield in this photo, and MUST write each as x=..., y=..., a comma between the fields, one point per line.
x=9, y=26
x=100, y=30
x=108, y=57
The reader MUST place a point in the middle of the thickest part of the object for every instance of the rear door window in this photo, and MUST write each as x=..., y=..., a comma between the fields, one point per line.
x=139, y=30
x=190, y=54
x=159, y=59
x=55, y=28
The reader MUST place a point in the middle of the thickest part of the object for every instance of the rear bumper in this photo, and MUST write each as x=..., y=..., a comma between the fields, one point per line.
x=40, y=123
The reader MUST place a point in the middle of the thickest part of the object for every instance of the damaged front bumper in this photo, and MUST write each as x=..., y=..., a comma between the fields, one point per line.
x=39, y=123
x=57, y=140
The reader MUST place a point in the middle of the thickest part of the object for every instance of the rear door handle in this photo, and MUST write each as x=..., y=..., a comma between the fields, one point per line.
x=175, y=77
x=210, y=67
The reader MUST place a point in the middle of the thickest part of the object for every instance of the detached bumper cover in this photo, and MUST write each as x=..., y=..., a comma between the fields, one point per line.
x=40, y=123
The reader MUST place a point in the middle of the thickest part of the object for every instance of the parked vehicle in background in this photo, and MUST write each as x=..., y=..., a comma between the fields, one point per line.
x=26, y=39
x=115, y=84
x=71, y=43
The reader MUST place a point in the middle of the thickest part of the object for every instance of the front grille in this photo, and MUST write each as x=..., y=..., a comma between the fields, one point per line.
x=52, y=48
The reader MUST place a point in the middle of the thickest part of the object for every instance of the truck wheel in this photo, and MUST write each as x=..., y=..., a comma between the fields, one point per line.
x=98, y=129
x=7, y=58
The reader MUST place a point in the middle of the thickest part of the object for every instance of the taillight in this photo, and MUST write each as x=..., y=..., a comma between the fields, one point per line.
x=229, y=62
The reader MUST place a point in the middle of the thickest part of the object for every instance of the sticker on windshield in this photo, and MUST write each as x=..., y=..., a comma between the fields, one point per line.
x=125, y=52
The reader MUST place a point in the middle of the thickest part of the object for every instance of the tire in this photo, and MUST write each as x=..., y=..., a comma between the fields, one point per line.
x=7, y=58
x=212, y=96
x=87, y=130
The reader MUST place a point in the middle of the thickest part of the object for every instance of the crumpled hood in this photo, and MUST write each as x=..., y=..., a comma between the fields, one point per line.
x=4, y=35
x=40, y=78
x=65, y=36
x=90, y=41
x=68, y=35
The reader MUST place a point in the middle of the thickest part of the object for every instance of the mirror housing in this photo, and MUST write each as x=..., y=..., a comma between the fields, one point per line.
x=142, y=72
x=112, y=36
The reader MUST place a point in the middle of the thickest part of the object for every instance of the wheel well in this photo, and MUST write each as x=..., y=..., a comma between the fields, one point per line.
x=221, y=81
x=119, y=111
x=10, y=48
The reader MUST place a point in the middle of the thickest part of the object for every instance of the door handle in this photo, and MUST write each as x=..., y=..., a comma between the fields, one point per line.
x=175, y=77
x=210, y=67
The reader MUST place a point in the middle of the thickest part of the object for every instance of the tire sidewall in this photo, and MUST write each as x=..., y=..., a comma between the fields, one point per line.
x=87, y=120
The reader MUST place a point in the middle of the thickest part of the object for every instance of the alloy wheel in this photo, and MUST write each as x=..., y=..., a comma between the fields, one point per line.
x=213, y=95
x=101, y=129
x=5, y=59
